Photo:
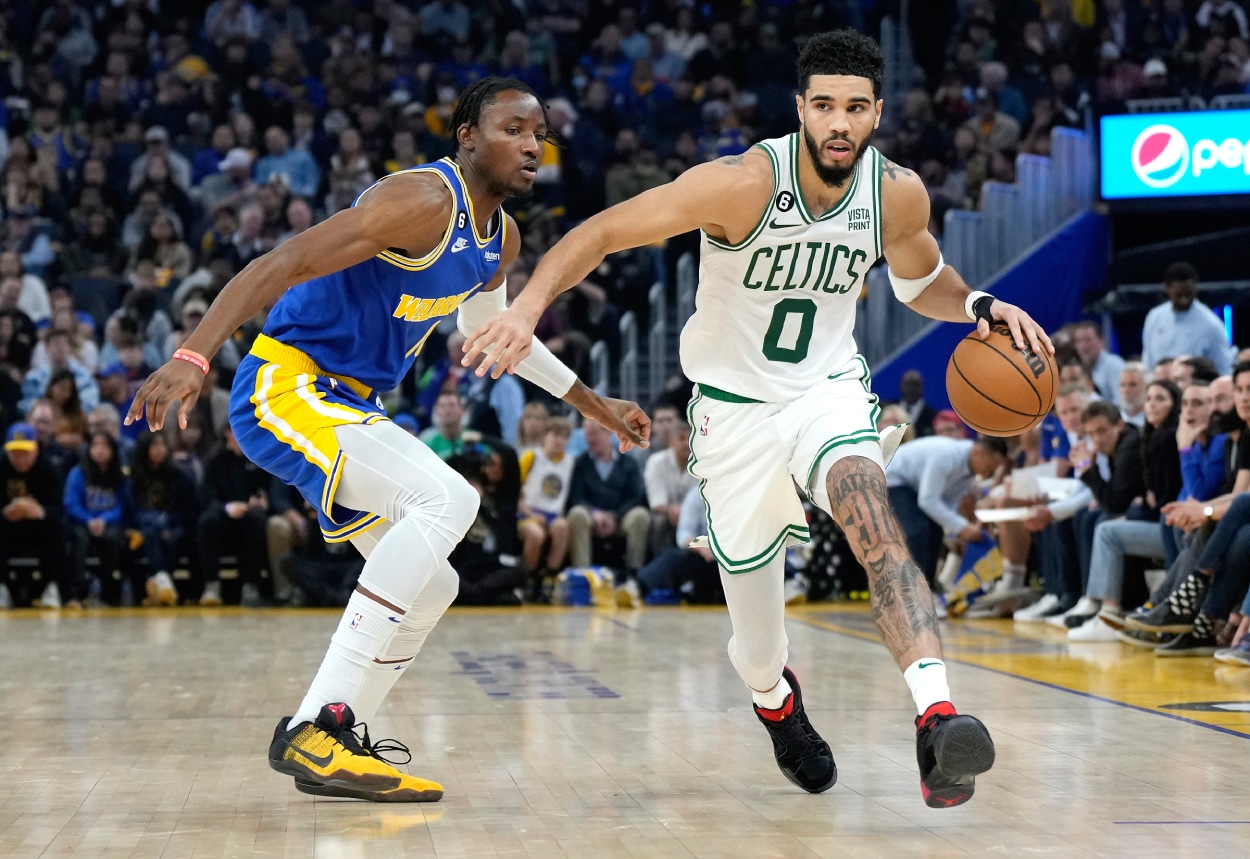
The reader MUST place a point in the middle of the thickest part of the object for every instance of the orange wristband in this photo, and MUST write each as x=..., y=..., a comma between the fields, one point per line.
x=193, y=358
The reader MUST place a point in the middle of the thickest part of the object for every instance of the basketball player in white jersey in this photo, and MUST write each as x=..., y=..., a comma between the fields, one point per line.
x=789, y=230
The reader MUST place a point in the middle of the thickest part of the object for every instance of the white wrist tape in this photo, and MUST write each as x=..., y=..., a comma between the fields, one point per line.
x=971, y=300
x=541, y=367
x=908, y=289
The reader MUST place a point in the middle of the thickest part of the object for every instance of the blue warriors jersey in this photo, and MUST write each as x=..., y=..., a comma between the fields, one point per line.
x=369, y=321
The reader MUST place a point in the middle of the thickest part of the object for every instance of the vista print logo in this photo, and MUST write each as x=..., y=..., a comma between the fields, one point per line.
x=1160, y=156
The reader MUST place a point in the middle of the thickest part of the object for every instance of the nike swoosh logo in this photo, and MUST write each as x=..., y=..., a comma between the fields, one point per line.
x=773, y=225
x=304, y=753
x=394, y=619
x=928, y=664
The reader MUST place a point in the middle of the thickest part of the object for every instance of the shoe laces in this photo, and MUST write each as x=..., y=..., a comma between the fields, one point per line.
x=381, y=747
x=798, y=735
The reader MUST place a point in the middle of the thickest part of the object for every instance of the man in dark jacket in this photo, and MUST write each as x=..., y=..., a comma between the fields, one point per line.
x=607, y=505
x=1120, y=442
x=235, y=499
x=31, y=525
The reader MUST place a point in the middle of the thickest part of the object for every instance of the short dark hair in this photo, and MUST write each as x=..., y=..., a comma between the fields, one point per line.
x=842, y=52
x=1102, y=409
x=1242, y=367
x=481, y=94
x=1178, y=271
x=995, y=445
x=1203, y=367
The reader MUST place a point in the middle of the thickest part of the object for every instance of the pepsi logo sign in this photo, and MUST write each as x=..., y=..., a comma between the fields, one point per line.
x=1160, y=156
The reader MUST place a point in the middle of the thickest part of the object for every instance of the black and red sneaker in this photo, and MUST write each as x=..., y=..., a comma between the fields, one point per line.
x=802, y=755
x=951, y=750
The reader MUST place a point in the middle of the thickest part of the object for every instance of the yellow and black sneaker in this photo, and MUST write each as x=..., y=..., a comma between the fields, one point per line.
x=412, y=789
x=327, y=751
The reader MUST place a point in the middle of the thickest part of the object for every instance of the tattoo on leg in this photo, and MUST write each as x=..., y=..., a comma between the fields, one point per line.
x=901, y=601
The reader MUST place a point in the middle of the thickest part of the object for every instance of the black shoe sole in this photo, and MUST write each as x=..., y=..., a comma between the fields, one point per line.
x=962, y=751
x=315, y=788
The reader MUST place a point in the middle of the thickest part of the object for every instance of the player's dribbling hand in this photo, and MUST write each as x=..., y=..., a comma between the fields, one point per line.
x=503, y=341
x=176, y=380
x=1024, y=331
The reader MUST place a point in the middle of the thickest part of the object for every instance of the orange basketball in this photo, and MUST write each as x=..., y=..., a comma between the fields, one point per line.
x=998, y=389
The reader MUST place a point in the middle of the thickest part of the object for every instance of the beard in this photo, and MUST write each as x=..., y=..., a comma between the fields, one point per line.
x=834, y=177
x=1222, y=422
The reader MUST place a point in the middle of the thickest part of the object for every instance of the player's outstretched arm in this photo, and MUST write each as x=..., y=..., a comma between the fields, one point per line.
x=918, y=275
x=408, y=212
x=704, y=197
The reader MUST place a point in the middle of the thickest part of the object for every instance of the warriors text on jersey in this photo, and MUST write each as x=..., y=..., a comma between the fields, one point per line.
x=369, y=321
x=775, y=313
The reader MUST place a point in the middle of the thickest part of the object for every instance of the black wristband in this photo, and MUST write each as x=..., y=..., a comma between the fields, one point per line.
x=981, y=309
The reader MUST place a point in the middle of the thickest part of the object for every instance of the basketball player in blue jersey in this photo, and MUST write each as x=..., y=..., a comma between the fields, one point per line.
x=353, y=300
x=789, y=228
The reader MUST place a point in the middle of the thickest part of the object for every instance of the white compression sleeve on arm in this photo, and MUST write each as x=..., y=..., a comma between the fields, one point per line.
x=909, y=288
x=541, y=367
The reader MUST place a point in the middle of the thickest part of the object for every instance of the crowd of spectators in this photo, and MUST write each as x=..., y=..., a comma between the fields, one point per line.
x=150, y=150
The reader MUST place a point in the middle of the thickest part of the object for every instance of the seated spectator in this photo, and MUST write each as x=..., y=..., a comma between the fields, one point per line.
x=95, y=515
x=33, y=299
x=192, y=445
x=30, y=242
x=96, y=251
x=1133, y=378
x=446, y=436
x=1183, y=325
x=293, y=167
x=489, y=574
x=668, y=483
x=150, y=204
x=995, y=131
x=607, y=512
x=1190, y=368
x=350, y=172
x=42, y=416
x=231, y=187
x=1170, y=420
x=142, y=317
x=31, y=523
x=162, y=503
x=18, y=336
x=494, y=406
x=60, y=357
x=531, y=428
x=191, y=315
x=927, y=480
x=1121, y=443
x=157, y=148
x=299, y=217
x=82, y=348
x=106, y=419
x=234, y=498
x=288, y=531
x=164, y=248
x=68, y=414
x=690, y=572
x=546, y=473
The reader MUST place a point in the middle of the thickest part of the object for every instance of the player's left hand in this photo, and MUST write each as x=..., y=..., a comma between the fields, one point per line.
x=1022, y=326
x=626, y=419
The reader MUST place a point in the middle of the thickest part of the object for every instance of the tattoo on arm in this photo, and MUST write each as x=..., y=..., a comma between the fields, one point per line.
x=902, y=604
x=889, y=168
x=734, y=160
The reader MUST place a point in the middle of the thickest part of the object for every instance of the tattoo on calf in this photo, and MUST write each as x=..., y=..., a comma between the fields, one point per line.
x=861, y=503
x=901, y=601
x=902, y=605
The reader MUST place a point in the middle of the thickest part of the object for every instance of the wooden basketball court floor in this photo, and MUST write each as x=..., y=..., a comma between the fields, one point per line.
x=606, y=733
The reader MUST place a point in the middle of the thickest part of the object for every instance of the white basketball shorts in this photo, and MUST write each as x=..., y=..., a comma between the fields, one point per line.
x=749, y=456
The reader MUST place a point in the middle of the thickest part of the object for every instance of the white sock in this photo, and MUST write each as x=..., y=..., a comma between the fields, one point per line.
x=404, y=646
x=773, y=699
x=352, y=662
x=926, y=678
x=1013, y=576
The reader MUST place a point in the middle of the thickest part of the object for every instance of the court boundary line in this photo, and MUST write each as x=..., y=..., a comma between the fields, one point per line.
x=849, y=633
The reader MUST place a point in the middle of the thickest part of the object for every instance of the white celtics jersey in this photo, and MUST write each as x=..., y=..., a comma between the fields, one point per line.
x=775, y=313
